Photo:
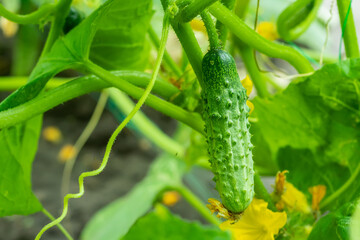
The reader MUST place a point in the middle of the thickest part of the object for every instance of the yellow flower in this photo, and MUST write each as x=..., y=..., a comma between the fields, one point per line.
x=198, y=25
x=52, y=134
x=9, y=28
x=318, y=193
x=248, y=85
x=66, y=153
x=170, y=198
x=267, y=30
x=222, y=212
x=280, y=182
x=288, y=196
x=257, y=223
x=293, y=200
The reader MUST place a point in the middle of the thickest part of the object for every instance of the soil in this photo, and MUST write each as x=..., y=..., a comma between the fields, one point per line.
x=129, y=162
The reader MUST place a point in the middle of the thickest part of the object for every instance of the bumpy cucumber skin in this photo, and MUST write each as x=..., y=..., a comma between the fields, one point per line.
x=227, y=130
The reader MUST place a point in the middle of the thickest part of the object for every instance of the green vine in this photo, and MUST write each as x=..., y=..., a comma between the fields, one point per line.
x=348, y=29
x=251, y=38
x=32, y=18
x=116, y=132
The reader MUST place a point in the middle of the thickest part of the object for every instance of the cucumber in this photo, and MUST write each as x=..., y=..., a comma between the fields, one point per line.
x=227, y=130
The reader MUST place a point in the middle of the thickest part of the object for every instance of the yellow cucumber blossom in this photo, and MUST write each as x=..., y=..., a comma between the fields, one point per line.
x=287, y=196
x=170, y=198
x=198, y=25
x=9, y=28
x=248, y=85
x=66, y=153
x=267, y=30
x=318, y=193
x=256, y=223
x=52, y=134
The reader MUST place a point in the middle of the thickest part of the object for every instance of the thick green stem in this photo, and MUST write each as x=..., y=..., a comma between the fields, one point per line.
x=168, y=61
x=251, y=38
x=221, y=28
x=194, y=120
x=194, y=9
x=258, y=78
x=59, y=225
x=211, y=30
x=144, y=125
x=188, y=42
x=82, y=86
x=139, y=79
x=61, y=11
x=194, y=201
x=349, y=30
x=31, y=18
x=262, y=193
x=11, y=83
x=73, y=89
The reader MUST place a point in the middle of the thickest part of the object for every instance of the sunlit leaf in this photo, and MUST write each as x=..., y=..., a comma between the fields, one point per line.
x=314, y=124
x=18, y=146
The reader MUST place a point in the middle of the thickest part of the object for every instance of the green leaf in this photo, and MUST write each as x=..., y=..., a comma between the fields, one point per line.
x=334, y=226
x=355, y=223
x=120, y=40
x=71, y=50
x=18, y=146
x=313, y=124
x=161, y=224
x=114, y=221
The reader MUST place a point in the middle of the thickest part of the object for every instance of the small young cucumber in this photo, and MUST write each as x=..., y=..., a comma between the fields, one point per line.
x=227, y=130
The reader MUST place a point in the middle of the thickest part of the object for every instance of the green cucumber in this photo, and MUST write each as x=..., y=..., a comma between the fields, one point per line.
x=227, y=130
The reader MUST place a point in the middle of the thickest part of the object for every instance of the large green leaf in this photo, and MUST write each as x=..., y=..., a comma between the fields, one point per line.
x=71, y=50
x=334, y=226
x=314, y=124
x=18, y=146
x=114, y=221
x=122, y=45
x=162, y=225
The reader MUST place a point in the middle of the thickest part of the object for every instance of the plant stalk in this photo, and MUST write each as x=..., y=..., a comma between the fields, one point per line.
x=194, y=201
x=251, y=38
x=348, y=28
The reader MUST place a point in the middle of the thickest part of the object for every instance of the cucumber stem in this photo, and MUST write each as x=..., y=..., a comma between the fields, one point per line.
x=211, y=30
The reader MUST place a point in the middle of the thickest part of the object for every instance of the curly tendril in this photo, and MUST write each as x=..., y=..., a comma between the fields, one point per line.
x=110, y=143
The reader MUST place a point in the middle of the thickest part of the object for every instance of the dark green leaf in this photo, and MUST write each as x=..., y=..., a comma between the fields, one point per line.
x=120, y=40
x=162, y=225
x=114, y=221
x=334, y=226
x=18, y=146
